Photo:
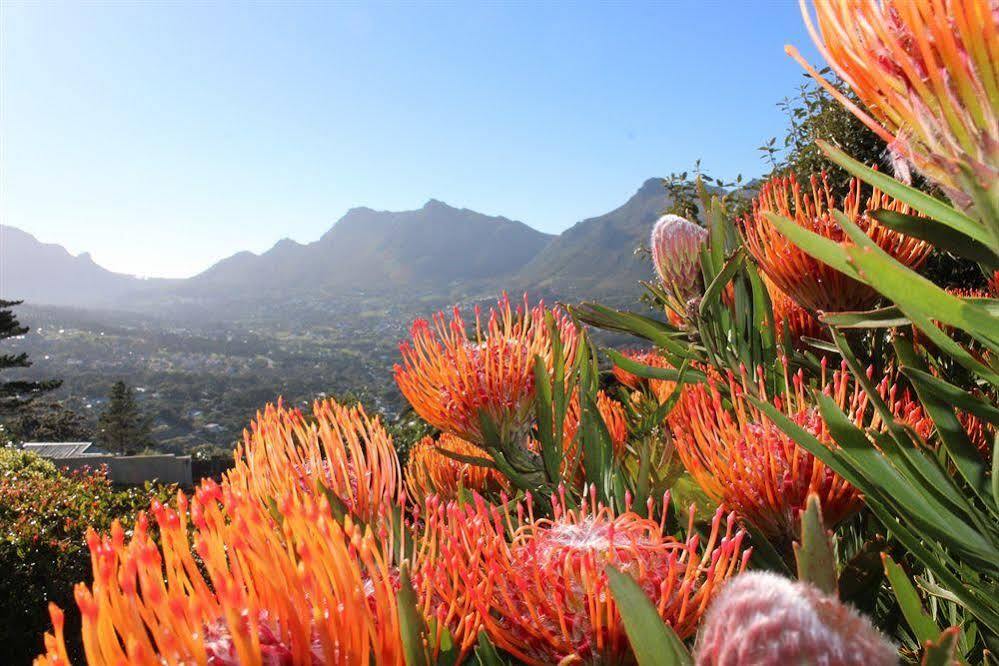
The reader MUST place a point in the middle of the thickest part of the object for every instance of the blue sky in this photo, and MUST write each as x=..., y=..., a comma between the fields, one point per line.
x=162, y=137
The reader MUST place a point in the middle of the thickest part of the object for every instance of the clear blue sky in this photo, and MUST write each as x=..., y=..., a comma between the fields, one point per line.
x=162, y=137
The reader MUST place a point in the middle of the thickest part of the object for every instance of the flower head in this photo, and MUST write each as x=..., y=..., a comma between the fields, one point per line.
x=431, y=472
x=344, y=449
x=450, y=376
x=312, y=591
x=614, y=417
x=544, y=595
x=676, y=254
x=791, y=321
x=813, y=284
x=765, y=619
x=742, y=459
x=928, y=73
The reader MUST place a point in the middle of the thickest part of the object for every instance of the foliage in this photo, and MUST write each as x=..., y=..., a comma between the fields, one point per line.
x=50, y=422
x=15, y=394
x=813, y=114
x=44, y=518
x=122, y=427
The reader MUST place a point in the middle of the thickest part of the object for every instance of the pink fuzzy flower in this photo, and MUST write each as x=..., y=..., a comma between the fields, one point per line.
x=766, y=620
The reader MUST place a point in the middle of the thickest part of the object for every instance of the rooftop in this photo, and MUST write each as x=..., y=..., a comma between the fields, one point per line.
x=60, y=449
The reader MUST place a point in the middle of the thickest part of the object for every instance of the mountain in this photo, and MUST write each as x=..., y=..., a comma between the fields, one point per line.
x=596, y=258
x=438, y=252
x=431, y=248
x=38, y=272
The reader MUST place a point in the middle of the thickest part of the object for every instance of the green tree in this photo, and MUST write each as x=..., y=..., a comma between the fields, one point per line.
x=50, y=422
x=122, y=427
x=15, y=394
x=813, y=114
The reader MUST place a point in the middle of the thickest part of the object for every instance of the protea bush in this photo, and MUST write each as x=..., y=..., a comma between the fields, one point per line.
x=833, y=409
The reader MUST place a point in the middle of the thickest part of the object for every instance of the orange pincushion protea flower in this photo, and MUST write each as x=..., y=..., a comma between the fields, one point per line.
x=812, y=284
x=450, y=376
x=430, y=472
x=544, y=596
x=928, y=73
x=611, y=411
x=742, y=459
x=791, y=321
x=309, y=592
x=341, y=447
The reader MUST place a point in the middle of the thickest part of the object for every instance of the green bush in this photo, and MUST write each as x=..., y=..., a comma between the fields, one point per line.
x=44, y=517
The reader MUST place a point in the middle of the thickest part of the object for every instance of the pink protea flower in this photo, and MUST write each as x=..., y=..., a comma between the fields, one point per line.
x=766, y=620
x=676, y=248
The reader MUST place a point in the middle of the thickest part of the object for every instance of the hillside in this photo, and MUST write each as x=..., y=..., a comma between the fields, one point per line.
x=596, y=258
x=379, y=251
x=38, y=272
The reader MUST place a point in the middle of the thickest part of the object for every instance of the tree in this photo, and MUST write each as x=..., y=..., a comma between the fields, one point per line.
x=15, y=394
x=50, y=422
x=813, y=114
x=122, y=427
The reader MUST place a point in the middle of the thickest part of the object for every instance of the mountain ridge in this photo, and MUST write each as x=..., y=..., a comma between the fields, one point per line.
x=435, y=249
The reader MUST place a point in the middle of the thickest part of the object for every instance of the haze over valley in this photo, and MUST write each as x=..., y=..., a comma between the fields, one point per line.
x=298, y=320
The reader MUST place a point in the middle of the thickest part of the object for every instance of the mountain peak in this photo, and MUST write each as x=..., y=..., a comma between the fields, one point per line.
x=652, y=186
x=436, y=204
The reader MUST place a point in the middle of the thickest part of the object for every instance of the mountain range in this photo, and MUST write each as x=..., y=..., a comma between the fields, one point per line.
x=437, y=249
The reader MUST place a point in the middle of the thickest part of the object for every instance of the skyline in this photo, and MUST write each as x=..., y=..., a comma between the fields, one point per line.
x=163, y=138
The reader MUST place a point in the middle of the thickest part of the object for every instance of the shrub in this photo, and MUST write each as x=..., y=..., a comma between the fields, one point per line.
x=44, y=517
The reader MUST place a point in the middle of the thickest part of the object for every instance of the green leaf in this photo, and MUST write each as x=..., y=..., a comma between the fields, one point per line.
x=717, y=286
x=940, y=236
x=412, y=627
x=952, y=394
x=478, y=461
x=658, y=333
x=911, y=291
x=485, y=652
x=765, y=556
x=890, y=317
x=816, y=554
x=922, y=625
x=955, y=440
x=922, y=508
x=652, y=641
x=337, y=508
x=924, y=203
x=650, y=372
x=551, y=453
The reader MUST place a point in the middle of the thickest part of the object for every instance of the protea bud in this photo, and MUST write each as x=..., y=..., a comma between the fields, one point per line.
x=767, y=620
x=676, y=247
